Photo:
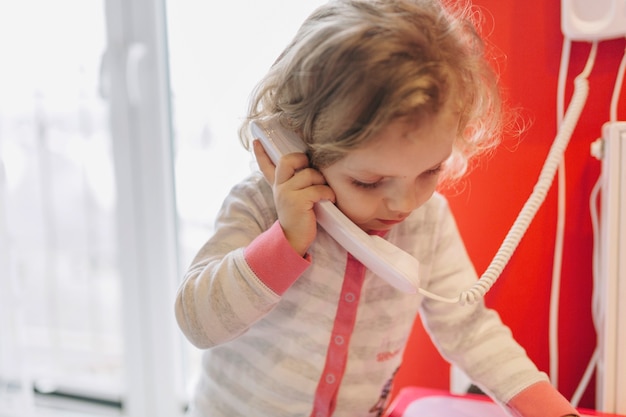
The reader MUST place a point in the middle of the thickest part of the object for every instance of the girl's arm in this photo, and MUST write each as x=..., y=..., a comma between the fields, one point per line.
x=238, y=276
x=241, y=272
x=474, y=338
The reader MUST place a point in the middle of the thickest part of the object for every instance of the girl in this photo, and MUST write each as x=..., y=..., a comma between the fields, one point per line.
x=392, y=98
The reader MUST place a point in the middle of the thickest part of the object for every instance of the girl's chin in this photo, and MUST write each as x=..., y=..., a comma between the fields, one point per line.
x=376, y=226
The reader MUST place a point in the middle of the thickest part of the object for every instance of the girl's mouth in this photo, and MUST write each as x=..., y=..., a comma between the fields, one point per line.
x=390, y=222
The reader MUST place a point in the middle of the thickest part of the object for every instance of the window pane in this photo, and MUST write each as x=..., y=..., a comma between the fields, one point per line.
x=59, y=280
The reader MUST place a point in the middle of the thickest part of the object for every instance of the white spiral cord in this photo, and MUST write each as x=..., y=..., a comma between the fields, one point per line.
x=534, y=202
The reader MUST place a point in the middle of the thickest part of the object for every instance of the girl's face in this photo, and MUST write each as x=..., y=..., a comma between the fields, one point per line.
x=379, y=184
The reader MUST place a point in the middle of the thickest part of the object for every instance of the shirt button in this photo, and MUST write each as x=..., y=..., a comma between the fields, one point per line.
x=349, y=297
x=330, y=378
x=339, y=340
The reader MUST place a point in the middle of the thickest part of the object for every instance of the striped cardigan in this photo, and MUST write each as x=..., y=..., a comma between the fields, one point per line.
x=321, y=335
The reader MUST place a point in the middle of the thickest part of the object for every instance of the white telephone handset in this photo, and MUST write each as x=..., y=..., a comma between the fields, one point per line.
x=384, y=259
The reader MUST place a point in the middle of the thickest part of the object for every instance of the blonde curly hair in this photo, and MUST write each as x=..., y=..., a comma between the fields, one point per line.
x=356, y=65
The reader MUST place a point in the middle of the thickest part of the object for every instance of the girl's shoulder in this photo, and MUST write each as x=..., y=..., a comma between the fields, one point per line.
x=252, y=195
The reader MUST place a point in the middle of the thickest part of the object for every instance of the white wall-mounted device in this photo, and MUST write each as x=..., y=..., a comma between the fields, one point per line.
x=593, y=20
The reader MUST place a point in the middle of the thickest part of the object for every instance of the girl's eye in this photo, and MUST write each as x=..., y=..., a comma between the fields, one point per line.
x=434, y=171
x=365, y=185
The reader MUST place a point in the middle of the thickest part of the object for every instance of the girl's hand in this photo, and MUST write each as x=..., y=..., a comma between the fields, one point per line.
x=297, y=187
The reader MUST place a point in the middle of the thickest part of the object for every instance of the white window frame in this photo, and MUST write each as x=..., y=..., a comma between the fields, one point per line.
x=136, y=65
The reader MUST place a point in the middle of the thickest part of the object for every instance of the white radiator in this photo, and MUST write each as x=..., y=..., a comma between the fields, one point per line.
x=611, y=376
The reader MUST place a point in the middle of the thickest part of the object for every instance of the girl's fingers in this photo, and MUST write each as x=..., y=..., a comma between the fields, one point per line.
x=290, y=165
x=294, y=170
x=305, y=178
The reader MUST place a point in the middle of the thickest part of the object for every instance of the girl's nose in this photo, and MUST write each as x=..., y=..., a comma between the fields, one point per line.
x=404, y=199
x=408, y=197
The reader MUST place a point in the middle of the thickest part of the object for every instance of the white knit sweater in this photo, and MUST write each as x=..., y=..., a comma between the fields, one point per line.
x=320, y=336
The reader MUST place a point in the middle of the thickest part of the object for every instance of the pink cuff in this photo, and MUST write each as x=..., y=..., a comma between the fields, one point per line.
x=274, y=261
x=541, y=400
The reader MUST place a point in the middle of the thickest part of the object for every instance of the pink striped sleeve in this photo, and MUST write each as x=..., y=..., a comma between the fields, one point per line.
x=274, y=261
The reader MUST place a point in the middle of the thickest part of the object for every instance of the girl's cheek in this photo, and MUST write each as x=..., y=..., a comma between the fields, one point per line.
x=361, y=209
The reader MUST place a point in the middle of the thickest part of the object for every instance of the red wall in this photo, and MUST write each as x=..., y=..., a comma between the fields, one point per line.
x=528, y=40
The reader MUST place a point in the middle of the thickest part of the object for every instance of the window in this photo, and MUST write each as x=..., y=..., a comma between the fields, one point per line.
x=60, y=309
x=117, y=147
